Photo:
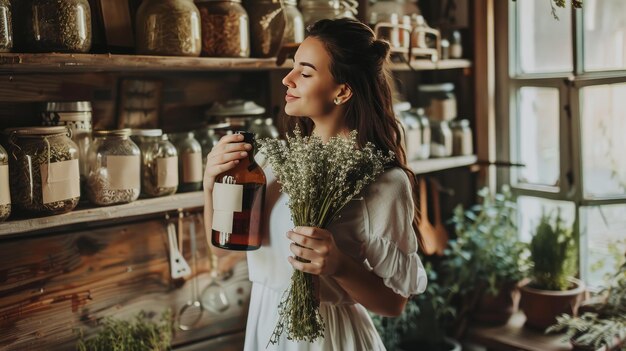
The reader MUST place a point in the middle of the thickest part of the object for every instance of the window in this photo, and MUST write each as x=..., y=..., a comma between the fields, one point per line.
x=562, y=115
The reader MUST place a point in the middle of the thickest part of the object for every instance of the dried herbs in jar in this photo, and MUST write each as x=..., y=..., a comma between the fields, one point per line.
x=267, y=26
x=225, y=28
x=159, y=163
x=6, y=27
x=5, y=197
x=58, y=25
x=114, y=168
x=43, y=170
x=168, y=27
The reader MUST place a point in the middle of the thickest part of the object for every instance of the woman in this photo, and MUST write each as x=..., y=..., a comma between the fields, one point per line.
x=367, y=259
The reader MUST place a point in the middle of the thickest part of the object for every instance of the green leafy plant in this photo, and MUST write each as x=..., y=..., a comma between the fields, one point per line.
x=603, y=327
x=486, y=253
x=141, y=334
x=553, y=254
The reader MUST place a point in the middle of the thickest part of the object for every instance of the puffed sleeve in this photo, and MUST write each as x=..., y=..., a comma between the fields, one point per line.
x=391, y=245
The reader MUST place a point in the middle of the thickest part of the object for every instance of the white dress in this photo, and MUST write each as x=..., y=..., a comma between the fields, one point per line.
x=374, y=229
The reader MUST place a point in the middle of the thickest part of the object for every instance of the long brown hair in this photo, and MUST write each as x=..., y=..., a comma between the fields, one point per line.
x=359, y=60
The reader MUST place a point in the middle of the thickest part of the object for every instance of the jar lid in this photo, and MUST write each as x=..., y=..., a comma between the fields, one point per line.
x=147, y=132
x=68, y=106
x=38, y=131
x=234, y=108
x=401, y=106
x=114, y=133
x=436, y=88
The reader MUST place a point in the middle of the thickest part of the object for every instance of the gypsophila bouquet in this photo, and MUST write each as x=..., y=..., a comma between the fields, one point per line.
x=320, y=179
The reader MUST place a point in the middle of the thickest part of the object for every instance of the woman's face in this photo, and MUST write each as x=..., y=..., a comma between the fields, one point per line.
x=311, y=87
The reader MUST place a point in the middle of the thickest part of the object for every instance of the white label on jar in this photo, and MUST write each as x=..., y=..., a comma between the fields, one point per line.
x=227, y=199
x=60, y=181
x=5, y=197
x=192, y=167
x=167, y=172
x=442, y=110
x=124, y=172
x=413, y=143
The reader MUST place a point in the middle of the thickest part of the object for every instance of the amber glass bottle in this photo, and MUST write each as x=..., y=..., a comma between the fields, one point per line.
x=238, y=197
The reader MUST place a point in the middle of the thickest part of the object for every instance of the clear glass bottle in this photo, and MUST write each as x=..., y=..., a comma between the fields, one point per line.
x=168, y=27
x=238, y=196
x=208, y=136
x=114, y=168
x=5, y=194
x=315, y=10
x=439, y=101
x=159, y=163
x=263, y=128
x=461, y=138
x=76, y=115
x=225, y=28
x=413, y=135
x=441, y=141
x=426, y=134
x=6, y=26
x=190, y=169
x=58, y=25
x=267, y=26
x=43, y=170
x=294, y=29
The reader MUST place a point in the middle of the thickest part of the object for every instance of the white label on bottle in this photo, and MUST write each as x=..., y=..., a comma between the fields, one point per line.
x=167, y=172
x=5, y=195
x=124, y=172
x=192, y=167
x=227, y=199
x=60, y=181
x=223, y=221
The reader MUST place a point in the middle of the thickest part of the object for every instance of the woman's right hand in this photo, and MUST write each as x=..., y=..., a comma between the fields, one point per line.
x=223, y=157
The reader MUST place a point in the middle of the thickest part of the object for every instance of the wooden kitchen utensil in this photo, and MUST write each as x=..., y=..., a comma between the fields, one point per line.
x=427, y=230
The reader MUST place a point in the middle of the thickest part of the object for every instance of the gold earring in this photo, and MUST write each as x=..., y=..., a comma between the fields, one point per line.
x=337, y=101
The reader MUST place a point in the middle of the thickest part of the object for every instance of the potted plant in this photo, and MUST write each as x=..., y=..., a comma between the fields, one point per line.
x=603, y=327
x=552, y=289
x=485, y=263
x=422, y=324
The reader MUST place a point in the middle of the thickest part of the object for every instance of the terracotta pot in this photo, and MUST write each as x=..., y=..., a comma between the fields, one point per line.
x=543, y=306
x=498, y=309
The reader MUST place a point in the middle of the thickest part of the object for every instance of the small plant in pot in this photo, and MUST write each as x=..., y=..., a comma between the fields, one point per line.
x=603, y=327
x=486, y=261
x=552, y=289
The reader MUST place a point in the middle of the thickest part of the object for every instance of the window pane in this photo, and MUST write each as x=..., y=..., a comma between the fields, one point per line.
x=530, y=210
x=545, y=44
x=603, y=239
x=603, y=142
x=605, y=34
x=538, y=136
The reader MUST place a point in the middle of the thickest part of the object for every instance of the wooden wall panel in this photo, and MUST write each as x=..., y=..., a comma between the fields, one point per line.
x=51, y=285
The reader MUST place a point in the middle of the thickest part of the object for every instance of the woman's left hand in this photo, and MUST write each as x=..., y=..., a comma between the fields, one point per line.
x=316, y=245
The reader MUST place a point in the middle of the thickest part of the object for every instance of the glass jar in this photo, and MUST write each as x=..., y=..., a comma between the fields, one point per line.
x=168, y=27
x=424, y=152
x=43, y=170
x=189, y=161
x=225, y=28
x=267, y=26
x=208, y=136
x=58, y=25
x=315, y=10
x=263, y=128
x=441, y=141
x=6, y=26
x=5, y=195
x=294, y=28
x=114, y=163
x=159, y=163
x=461, y=138
x=77, y=117
x=438, y=100
x=413, y=135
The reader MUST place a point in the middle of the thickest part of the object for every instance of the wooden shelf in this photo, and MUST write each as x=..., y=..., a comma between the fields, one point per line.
x=440, y=164
x=69, y=63
x=426, y=65
x=96, y=214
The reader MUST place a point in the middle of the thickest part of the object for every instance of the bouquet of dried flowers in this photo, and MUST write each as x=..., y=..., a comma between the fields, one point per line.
x=320, y=179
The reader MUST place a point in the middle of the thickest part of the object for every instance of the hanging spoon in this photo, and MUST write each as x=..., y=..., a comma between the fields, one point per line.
x=191, y=313
x=178, y=266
